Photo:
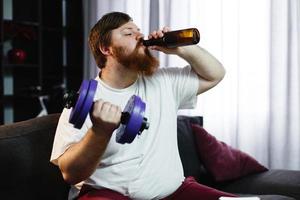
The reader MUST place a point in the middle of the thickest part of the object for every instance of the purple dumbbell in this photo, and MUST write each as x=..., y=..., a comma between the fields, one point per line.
x=133, y=121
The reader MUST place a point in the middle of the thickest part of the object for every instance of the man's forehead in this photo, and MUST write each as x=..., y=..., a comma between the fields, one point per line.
x=129, y=25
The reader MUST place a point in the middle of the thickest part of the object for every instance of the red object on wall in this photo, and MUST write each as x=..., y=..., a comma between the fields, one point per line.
x=16, y=56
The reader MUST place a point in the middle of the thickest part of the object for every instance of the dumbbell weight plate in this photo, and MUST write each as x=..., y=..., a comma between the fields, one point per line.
x=128, y=131
x=84, y=103
x=75, y=112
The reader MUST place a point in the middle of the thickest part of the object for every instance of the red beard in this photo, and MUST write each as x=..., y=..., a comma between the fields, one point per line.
x=144, y=63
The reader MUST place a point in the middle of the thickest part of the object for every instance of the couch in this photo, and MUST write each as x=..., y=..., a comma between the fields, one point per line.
x=26, y=172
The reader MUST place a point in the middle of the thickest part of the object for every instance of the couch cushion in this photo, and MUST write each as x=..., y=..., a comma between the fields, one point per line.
x=25, y=170
x=273, y=181
x=224, y=162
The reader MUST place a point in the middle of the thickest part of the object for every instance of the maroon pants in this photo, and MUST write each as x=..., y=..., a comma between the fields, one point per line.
x=189, y=189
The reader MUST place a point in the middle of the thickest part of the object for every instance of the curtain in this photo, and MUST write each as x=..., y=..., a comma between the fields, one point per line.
x=284, y=120
x=256, y=107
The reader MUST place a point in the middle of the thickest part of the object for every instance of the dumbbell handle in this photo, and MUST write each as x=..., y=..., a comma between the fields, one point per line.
x=125, y=116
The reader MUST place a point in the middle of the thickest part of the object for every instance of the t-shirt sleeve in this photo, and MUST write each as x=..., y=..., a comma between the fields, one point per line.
x=65, y=135
x=185, y=84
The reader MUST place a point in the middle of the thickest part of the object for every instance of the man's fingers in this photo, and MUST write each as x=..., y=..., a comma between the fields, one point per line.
x=166, y=29
x=159, y=33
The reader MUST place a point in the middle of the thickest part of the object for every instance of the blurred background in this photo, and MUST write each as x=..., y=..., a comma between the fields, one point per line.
x=255, y=108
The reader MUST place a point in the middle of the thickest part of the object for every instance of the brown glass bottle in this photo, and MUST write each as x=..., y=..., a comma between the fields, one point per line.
x=176, y=38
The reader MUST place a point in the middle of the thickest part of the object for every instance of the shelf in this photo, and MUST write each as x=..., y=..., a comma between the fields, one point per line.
x=10, y=98
x=34, y=91
x=20, y=108
x=41, y=54
x=20, y=23
x=11, y=66
x=6, y=99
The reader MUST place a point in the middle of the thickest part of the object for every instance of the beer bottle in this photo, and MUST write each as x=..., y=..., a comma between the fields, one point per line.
x=175, y=38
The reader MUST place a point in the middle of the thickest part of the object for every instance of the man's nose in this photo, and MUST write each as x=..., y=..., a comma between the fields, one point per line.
x=139, y=36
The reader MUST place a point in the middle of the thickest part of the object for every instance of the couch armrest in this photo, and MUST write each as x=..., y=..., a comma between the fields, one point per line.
x=281, y=182
x=25, y=170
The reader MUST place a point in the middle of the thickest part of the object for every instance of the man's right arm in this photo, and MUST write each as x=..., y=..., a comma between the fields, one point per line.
x=81, y=159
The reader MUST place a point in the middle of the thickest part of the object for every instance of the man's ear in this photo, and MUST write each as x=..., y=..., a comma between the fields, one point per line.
x=105, y=50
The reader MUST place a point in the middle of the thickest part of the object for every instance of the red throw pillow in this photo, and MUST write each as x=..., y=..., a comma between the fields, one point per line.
x=221, y=160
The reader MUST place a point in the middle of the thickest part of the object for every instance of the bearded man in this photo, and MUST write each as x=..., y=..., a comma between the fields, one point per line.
x=150, y=167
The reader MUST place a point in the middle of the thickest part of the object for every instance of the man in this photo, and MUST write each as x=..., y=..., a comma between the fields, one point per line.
x=149, y=167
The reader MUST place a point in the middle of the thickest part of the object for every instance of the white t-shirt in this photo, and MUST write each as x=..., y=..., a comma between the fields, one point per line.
x=150, y=166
